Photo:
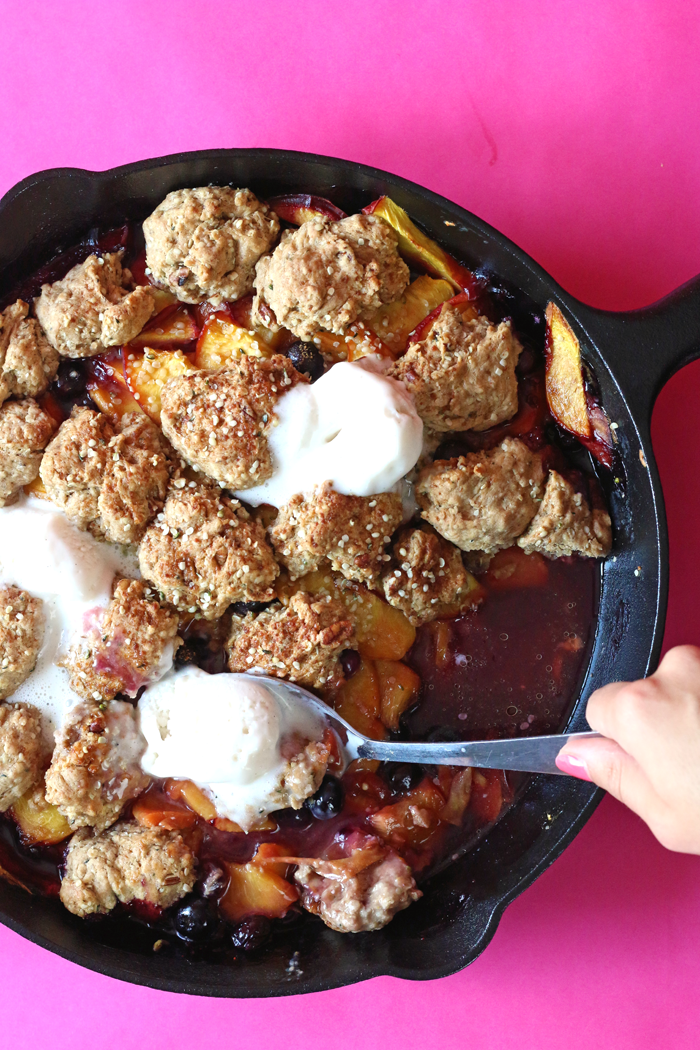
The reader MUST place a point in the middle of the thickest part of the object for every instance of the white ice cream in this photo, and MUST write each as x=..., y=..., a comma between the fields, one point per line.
x=42, y=552
x=354, y=427
x=224, y=732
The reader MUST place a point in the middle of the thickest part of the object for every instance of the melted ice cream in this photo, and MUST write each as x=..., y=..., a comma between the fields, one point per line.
x=354, y=427
x=225, y=732
x=42, y=552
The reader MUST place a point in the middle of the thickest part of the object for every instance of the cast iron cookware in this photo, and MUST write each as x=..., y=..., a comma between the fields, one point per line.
x=631, y=355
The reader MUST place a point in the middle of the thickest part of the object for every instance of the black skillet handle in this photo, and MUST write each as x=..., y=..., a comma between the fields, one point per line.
x=644, y=348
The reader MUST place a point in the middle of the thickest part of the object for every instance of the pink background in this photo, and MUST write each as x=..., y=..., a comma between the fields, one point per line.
x=573, y=128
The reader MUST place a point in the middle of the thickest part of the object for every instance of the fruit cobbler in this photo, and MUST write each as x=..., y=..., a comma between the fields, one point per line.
x=255, y=440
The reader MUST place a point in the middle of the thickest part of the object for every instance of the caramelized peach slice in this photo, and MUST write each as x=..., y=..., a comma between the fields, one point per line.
x=566, y=393
x=365, y=791
x=223, y=340
x=147, y=372
x=487, y=794
x=256, y=889
x=394, y=322
x=458, y=798
x=155, y=809
x=398, y=688
x=188, y=792
x=175, y=326
x=108, y=389
x=298, y=208
x=38, y=821
x=36, y=488
x=360, y=341
x=358, y=701
x=418, y=248
x=413, y=820
x=512, y=568
x=383, y=632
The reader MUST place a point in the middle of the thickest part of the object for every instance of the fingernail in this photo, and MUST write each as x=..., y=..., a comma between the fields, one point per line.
x=575, y=767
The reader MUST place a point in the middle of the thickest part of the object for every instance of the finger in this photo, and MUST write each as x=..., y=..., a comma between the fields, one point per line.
x=606, y=764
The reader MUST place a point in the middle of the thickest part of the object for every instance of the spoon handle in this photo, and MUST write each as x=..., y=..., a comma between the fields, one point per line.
x=529, y=754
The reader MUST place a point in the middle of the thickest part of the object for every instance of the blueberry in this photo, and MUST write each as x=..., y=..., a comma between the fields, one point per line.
x=243, y=608
x=197, y=920
x=306, y=359
x=251, y=933
x=350, y=662
x=328, y=800
x=402, y=777
x=70, y=380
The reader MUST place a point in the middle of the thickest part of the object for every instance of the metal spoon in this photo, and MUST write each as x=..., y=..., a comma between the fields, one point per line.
x=529, y=754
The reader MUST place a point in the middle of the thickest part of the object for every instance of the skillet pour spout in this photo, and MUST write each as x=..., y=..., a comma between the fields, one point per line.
x=631, y=356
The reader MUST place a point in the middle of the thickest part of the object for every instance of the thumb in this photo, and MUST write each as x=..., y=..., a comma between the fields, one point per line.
x=606, y=764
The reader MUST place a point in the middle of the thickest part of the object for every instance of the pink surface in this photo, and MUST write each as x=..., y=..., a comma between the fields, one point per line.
x=573, y=129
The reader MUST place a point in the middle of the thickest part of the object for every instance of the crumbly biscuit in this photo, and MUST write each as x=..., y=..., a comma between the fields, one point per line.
x=359, y=893
x=204, y=552
x=90, y=309
x=566, y=523
x=28, y=362
x=325, y=275
x=301, y=641
x=204, y=243
x=95, y=768
x=110, y=479
x=485, y=500
x=21, y=635
x=462, y=375
x=349, y=531
x=25, y=431
x=126, y=863
x=22, y=751
x=429, y=579
x=130, y=644
x=220, y=421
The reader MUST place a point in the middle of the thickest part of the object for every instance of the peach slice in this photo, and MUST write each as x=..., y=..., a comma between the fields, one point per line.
x=383, y=632
x=298, y=208
x=566, y=393
x=223, y=340
x=147, y=372
x=512, y=568
x=398, y=688
x=394, y=322
x=38, y=821
x=421, y=249
x=255, y=889
x=458, y=798
x=358, y=701
x=359, y=342
x=413, y=820
x=186, y=791
x=108, y=388
x=572, y=406
x=172, y=327
x=157, y=810
x=487, y=795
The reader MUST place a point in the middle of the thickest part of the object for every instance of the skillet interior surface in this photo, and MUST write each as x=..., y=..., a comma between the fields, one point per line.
x=459, y=914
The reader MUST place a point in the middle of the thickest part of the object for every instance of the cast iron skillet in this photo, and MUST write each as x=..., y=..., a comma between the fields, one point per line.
x=632, y=355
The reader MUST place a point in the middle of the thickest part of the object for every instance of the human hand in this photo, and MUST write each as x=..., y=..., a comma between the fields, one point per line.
x=650, y=757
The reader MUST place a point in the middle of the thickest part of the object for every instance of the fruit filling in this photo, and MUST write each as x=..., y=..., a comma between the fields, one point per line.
x=278, y=441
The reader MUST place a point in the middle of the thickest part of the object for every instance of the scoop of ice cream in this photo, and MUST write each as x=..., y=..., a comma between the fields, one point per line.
x=210, y=728
x=225, y=732
x=354, y=427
